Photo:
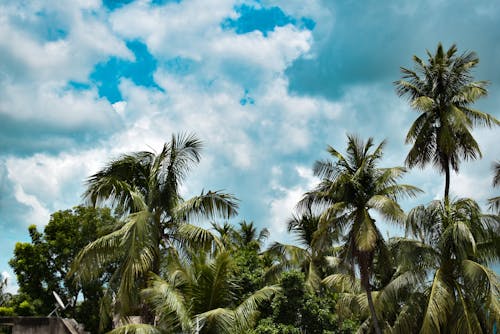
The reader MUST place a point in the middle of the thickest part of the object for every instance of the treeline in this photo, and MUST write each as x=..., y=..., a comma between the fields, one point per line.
x=141, y=266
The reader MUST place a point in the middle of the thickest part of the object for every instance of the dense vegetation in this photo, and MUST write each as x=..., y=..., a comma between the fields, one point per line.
x=142, y=256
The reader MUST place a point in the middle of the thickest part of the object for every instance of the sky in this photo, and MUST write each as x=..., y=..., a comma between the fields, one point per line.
x=266, y=85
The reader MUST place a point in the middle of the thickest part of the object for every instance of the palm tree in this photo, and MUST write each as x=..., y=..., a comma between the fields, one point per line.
x=308, y=254
x=349, y=189
x=248, y=236
x=455, y=242
x=442, y=91
x=197, y=294
x=144, y=188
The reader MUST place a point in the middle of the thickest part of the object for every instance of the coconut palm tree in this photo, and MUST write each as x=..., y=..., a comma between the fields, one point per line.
x=144, y=188
x=350, y=188
x=442, y=91
x=307, y=254
x=453, y=246
x=249, y=236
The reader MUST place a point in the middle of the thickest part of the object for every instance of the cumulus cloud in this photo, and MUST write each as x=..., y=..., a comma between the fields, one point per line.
x=265, y=104
x=46, y=183
x=53, y=41
x=283, y=203
x=45, y=46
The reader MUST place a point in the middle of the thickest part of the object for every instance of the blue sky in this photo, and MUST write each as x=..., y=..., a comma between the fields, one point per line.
x=265, y=84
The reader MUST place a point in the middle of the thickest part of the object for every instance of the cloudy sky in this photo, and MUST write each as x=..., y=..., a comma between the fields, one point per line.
x=265, y=84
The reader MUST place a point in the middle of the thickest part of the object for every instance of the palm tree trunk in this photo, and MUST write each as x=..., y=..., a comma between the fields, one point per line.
x=447, y=182
x=365, y=281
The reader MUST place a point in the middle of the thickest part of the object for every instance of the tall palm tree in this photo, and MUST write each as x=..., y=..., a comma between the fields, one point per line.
x=442, y=91
x=349, y=189
x=453, y=246
x=144, y=188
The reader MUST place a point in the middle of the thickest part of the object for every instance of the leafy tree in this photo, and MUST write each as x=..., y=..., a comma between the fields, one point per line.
x=442, y=91
x=455, y=242
x=144, y=186
x=41, y=266
x=349, y=189
x=299, y=310
x=245, y=249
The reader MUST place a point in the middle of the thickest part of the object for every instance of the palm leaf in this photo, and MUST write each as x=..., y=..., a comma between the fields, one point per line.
x=208, y=205
x=439, y=305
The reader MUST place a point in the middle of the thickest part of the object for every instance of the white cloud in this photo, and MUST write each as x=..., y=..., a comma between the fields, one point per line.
x=47, y=183
x=282, y=205
x=169, y=31
x=37, y=214
x=53, y=105
x=174, y=23
x=11, y=282
x=36, y=68
x=31, y=56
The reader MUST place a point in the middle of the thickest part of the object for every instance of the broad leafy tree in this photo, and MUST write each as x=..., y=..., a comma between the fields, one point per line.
x=297, y=309
x=351, y=186
x=41, y=266
x=442, y=90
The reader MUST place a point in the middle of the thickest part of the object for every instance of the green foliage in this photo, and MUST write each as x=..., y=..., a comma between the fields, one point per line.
x=351, y=187
x=248, y=271
x=199, y=289
x=145, y=188
x=297, y=310
x=42, y=265
x=25, y=309
x=287, y=306
x=442, y=90
x=456, y=243
x=268, y=326
x=6, y=311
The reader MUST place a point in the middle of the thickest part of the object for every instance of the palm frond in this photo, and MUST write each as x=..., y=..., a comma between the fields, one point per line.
x=387, y=207
x=246, y=312
x=485, y=281
x=439, y=305
x=166, y=299
x=197, y=236
x=343, y=283
x=208, y=205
